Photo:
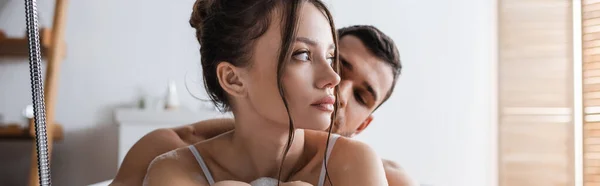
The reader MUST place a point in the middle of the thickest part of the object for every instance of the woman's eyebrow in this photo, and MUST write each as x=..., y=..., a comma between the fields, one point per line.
x=312, y=42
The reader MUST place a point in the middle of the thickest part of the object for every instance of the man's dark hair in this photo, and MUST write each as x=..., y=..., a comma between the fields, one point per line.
x=380, y=45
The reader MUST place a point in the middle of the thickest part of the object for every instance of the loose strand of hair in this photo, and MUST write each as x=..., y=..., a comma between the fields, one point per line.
x=211, y=99
x=288, y=34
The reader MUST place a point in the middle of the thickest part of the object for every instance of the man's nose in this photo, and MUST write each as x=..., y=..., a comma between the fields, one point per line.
x=345, y=91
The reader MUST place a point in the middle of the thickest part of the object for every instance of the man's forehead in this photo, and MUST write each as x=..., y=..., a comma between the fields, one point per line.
x=350, y=41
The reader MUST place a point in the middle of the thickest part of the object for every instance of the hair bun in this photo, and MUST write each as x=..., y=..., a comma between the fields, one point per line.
x=199, y=13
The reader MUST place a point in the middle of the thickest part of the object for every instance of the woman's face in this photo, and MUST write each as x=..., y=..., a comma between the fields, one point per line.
x=308, y=80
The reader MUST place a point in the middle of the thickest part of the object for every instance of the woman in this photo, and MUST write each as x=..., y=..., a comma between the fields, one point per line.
x=253, y=54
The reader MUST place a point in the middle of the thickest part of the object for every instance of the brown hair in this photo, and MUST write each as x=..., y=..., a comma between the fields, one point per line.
x=226, y=31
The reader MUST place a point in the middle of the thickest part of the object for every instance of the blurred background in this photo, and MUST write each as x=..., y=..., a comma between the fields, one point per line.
x=491, y=91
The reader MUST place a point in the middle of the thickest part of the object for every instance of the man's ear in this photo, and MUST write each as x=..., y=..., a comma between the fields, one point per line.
x=230, y=79
x=363, y=125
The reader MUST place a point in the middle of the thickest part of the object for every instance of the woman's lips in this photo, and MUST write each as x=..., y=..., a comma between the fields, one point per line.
x=325, y=104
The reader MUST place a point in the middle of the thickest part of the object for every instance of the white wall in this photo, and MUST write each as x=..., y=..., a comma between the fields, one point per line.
x=437, y=124
x=115, y=49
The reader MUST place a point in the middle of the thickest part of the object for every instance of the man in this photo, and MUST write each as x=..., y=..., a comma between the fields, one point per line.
x=370, y=67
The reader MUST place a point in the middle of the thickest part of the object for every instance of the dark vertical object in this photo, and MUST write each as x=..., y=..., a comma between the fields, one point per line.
x=37, y=90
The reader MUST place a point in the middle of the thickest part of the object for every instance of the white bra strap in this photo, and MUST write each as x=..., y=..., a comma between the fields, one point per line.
x=334, y=137
x=207, y=174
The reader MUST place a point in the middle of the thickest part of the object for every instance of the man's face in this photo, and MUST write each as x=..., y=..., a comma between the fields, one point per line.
x=366, y=80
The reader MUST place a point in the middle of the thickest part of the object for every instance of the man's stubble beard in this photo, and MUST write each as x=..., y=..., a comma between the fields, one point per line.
x=337, y=126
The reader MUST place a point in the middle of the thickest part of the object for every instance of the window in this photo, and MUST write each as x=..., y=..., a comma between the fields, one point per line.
x=535, y=131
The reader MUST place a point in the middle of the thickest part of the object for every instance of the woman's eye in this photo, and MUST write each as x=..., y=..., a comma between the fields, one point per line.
x=301, y=56
x=330, y=61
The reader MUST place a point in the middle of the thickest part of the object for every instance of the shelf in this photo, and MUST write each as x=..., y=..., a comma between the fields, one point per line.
x=19, y=47
x=15, y=132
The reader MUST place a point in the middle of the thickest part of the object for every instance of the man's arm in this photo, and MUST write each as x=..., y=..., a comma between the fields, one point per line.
x=395, y=174
x=204, y=130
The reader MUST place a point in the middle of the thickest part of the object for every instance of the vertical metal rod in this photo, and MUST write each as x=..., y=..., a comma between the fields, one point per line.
x=37, y=90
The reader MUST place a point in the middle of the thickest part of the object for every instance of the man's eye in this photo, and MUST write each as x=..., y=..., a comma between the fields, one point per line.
x=359, y=98
x=344, y=62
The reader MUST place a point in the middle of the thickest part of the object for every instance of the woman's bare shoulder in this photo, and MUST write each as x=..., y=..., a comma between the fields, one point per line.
x=176, y=157
x=317, y=139
x=353, y=162
x=179, y=165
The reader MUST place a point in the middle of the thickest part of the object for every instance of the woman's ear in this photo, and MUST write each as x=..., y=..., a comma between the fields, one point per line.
x=230, y=78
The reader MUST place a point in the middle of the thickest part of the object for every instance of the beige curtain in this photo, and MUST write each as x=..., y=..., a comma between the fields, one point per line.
x=536, y=93
x=591, y=91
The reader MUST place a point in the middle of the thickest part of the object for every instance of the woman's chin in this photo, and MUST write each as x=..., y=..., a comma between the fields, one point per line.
x=320, y=124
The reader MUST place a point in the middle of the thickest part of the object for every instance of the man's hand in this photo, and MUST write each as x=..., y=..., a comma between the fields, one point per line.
x=395, y=174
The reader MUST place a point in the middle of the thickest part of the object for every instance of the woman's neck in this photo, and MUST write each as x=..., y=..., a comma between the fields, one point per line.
x=258, y=145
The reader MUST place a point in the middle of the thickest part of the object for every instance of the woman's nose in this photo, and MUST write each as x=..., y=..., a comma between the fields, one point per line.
x=327, y=78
